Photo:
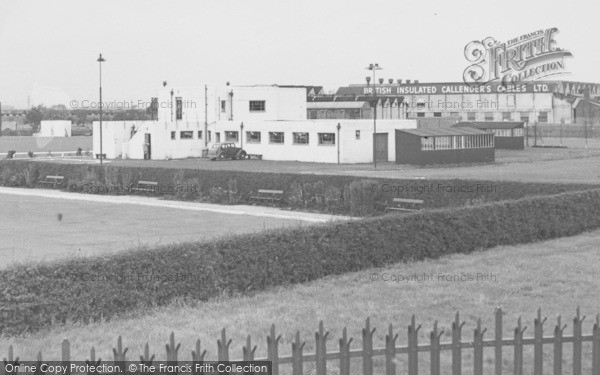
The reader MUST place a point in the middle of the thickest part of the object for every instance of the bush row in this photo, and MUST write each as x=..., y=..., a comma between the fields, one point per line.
x=335, y=194
x=34, y=296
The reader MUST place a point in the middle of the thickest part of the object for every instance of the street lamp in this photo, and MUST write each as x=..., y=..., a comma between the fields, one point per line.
x=100, y=61
x=242, y=135
x=374, y=68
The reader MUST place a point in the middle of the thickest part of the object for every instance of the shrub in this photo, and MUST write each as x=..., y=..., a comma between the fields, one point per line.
x=10, y=154
x=33, y=296
x=30, y=154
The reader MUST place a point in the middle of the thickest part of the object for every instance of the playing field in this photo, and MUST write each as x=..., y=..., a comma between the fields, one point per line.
x=43, y=228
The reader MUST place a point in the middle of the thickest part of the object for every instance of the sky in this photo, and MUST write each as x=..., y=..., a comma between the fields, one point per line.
x=49, y=48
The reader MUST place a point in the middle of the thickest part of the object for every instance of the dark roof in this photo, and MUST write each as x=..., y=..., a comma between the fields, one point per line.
x=317, y=89
x=491, y=124
x=432, y=132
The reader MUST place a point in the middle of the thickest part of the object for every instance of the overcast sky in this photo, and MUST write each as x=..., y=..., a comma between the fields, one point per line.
x=49, y=48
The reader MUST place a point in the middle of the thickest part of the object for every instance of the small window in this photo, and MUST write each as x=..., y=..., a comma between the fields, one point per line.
x=199, y=134
x=427, y=143
x=525, y=116
x=173, y=135
x=326, y=138
x=252, y=137
x=437, y=114
x=257, y=105
x=502, y=132
x=518, y=132
x=543, y=117
x=179, y=109
x=276, y=137
x=300, y=138
x=187, y=134
x=471, y=116
x=209, y=136
x=489, y=116
x=443, y=143
x=223, y=106
x=358, y=134
x=506, y=116
x=420, y=114
x=231, y=136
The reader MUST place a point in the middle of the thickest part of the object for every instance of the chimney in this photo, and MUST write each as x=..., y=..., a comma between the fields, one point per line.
x=390, y=81
x=399, y=81
x=380, y=81
x=408, y=81
x=416, y=81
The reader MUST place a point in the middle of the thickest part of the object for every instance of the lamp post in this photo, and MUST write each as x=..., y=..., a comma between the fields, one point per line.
x=339, y=126
x=374, y=68
x=242, y=135
x=100, y=61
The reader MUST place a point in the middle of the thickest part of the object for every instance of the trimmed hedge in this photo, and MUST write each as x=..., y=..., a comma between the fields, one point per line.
x=35, y=296
x=336, y=194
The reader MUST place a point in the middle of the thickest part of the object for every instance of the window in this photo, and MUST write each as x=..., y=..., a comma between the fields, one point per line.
x=276, y=137
x=437, y=114
x=426, y=143
x=173, y=135
x=420, y=114
x=489, y=116
x=458, y=142
x=357, y=134
x=471, y=116
x=154, y=109
x=518, y=132
x=420, y=105
x=231, y=136
x=187, y=134
x=543, y=117
x=252, y=137
x=443, y=143
x=300, y=138
x=525, y=116
x=326, y=138
x=179, y=109
x=502, y=132
x=223, y=106
x=312, y=115
x=257, y=105
x=199, y=134
x=209, y=136
x=506, y=116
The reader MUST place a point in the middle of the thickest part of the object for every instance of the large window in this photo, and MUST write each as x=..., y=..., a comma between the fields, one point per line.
x=257, y=105
x=420, y=114
x=186, y=134
x=173, y=135
x=223, y=105
x=300, y=138
x=471, y=116
x=502, y=132
x=179, y=109
x=518, y=132
x=543, y=117
x=525, y=116
x=426, y=143
x=276, y=137
x=232, y=136
x=437, y=114
x=443, y=143
x=326, y=138
x=506, y=116
x=199, y=134
x=252, y=137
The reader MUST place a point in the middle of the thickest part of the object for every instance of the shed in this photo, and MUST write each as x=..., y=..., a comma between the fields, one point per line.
x=507, y=134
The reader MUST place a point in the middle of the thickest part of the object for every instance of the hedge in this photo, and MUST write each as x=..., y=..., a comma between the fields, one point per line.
x=87, y=289
x=336, y=194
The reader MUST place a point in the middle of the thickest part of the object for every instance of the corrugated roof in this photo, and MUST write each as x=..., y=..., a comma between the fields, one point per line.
x=490, y=124
x=432, y=132
x=337, y=105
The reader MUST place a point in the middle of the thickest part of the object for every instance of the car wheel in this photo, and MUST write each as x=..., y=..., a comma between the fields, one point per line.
x=221, y=157
x=242, y=155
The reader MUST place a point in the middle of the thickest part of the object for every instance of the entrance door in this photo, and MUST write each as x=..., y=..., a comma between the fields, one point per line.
x=218, y=137
x=147, y=146
x=381, y=146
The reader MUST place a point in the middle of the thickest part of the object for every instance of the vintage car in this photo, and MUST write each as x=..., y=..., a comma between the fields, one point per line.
x=226, y=150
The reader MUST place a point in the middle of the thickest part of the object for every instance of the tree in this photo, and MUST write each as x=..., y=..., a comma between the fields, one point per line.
x=35, y=116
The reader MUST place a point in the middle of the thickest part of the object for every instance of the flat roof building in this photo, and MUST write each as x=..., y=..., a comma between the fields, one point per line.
x=507, y=135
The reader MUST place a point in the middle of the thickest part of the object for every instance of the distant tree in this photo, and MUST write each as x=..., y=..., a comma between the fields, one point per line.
x=35, y=116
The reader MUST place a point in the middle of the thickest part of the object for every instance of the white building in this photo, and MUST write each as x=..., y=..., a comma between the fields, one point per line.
x=266, y=120
x=54, y=129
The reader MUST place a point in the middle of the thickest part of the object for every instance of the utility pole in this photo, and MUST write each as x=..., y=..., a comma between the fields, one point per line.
x=205, y=116
x=374, y=68
x=100, y=61
x=0, y=119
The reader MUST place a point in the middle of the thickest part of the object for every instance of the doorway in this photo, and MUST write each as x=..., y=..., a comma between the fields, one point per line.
x=381, y=146
x=147, y=146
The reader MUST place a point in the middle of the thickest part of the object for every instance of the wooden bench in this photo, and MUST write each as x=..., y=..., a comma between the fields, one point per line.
x=255, y=156
x=268, y=195
x=53, y=180
x=98, y=156
x=146, y=186
x=405, y=205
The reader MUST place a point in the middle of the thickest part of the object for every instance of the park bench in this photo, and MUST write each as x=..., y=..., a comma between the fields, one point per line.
x=268, y=195
x=98, y=156
x=255, y=156
x=146, y=186
x=405, y=205
x=54, y=181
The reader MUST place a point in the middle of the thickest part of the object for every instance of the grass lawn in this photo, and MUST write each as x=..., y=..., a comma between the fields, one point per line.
x=556, y=275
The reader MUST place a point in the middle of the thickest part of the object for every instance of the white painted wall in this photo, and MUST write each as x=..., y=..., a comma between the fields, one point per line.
x=54, y=129
x=281, y=103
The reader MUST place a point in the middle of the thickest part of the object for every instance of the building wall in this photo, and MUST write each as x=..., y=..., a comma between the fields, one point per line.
x=509, y=143
x=54, y=129
x=281, y=103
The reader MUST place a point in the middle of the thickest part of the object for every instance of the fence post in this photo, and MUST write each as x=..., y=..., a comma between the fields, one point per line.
x=321, y=349
x=297, y=359
x=390, y=351
x=119, y=353
x=518, y=356
x=478, y=349
x=413, y=347
x=558, y=349
x=66, y=355
x=93, y=362
x=538, y=348
x=345, y=353
x=498, y=343
x=146, y=359
x=11, y=360
x=434, y=338
x=223, y=347
x=198, y=356
x=456, y=349
x=248, y=350
x=273, y=350
x=367, y=352
x=596, y=347
x=577, y=343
